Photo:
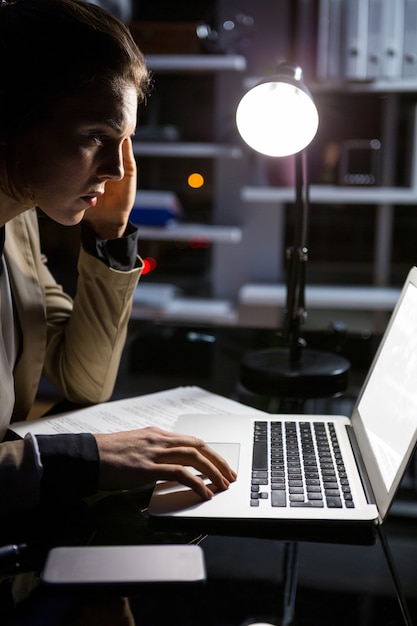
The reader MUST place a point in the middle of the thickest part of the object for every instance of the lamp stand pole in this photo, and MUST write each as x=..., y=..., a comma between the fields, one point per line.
x=296, y=260
x=293, y=370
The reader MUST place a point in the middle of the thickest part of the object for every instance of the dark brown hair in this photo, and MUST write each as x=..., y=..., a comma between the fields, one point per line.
x=50, y=48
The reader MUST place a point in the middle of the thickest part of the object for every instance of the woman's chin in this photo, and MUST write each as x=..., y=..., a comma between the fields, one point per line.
x=66, y=218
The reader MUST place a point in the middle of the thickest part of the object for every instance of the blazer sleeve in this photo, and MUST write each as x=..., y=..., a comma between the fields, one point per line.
x=78, y=344
x=85, y=338
x=21, y=472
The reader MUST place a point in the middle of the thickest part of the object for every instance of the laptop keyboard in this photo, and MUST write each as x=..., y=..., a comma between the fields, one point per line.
x=298, y=464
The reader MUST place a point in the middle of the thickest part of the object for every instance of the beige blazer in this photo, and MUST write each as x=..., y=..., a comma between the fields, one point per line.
x=76, y=344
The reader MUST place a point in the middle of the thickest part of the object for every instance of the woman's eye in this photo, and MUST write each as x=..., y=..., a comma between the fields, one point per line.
x=98, y=139
x=95, y=139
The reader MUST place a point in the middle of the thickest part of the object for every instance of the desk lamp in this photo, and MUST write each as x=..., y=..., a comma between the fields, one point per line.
x=278, y=118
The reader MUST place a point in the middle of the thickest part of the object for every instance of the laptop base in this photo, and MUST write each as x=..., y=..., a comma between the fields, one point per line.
x=352, y=533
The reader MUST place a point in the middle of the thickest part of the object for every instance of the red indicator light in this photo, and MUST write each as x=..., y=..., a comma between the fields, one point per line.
x=149, y=264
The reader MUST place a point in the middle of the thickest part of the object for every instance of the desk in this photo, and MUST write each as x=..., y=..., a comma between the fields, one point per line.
x=337, y=585
x=245, y=577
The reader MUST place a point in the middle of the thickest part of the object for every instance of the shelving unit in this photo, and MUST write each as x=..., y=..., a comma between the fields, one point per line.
x=386, y=198
x=249, y=216
x=167, y=302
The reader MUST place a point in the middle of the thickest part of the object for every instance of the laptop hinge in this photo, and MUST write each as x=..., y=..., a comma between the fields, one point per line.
x=366, y=483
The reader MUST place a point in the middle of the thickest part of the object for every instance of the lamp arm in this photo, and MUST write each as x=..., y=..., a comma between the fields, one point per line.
x=296, y=258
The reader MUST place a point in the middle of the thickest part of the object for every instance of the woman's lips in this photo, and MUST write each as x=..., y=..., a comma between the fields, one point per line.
x=91, y=199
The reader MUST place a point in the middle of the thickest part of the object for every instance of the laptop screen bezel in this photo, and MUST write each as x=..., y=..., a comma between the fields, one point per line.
x=383, y=497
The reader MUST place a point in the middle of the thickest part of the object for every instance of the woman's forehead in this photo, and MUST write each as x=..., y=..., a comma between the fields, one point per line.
x=97, y=104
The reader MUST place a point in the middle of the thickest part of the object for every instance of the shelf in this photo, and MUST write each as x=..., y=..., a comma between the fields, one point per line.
x=161, y=303
x=195, y=63
x=397, y=85
x=326, y=297
x=394, y=85
x=332, y=194
x=258, y=305
x=186, y=232
x=185, y=150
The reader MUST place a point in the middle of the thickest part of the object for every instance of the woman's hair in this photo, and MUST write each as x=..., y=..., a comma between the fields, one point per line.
x=50, y=49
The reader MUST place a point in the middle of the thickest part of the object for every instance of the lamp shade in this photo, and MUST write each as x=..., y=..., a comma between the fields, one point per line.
x=278, y=116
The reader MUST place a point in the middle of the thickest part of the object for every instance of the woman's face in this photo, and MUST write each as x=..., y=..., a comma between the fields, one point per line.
x=67, y=161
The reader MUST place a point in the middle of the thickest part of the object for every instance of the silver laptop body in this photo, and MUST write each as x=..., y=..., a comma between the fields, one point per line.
x=375, y=443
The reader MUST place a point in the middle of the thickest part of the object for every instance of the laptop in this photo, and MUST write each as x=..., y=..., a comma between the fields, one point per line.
x=282, y=491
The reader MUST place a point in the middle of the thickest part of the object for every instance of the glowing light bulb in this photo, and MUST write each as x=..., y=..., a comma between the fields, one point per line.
x=195, y=180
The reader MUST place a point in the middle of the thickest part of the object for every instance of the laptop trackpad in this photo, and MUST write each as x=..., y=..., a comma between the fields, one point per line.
x=229, y=451
x=170, y=496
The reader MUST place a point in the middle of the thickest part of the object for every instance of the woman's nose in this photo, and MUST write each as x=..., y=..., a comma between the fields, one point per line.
x=111, y=164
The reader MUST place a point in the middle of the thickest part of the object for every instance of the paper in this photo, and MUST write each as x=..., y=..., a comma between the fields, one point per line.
x=160, y=409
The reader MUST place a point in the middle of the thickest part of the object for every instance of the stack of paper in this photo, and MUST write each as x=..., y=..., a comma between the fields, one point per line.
x=160, y=409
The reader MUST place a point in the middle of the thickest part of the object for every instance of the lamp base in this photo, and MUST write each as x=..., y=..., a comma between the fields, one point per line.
x=316, y=374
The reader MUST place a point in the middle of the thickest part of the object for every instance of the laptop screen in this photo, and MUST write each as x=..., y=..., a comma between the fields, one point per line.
x=388, y=404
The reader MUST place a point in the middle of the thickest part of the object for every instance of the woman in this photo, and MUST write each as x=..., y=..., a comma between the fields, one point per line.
x=71, y=79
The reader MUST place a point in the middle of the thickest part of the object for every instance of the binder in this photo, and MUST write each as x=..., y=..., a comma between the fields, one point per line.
x=330, y=37
x=375, y=52
x=356, y=20
x=336, y=39
x=323, y=40
x=409, y=56
x=393, y=37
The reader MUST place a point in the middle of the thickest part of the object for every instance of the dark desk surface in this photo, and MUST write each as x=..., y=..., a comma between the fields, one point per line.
x=337, y=585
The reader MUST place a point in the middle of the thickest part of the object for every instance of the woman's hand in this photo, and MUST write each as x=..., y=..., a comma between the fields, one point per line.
x=110, y=216
x=138, y=457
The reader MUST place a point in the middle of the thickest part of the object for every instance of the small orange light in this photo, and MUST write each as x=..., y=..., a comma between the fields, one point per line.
x=196, y=180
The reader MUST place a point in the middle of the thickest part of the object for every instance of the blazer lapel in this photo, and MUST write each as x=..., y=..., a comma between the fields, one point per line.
x=22, y=253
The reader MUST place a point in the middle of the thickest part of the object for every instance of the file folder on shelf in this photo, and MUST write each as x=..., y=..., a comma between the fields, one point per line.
x=356, y=47
x=409, y=56
x=393, y=37
x=329, y=47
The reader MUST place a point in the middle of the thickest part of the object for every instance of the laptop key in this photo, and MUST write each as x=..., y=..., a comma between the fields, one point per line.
x=330, y=484
x=334, y=502
x=259, y=481
x=314, y=496
x=312, y=481
x=311, y=503
x=313, y=488
x=278, y=498
x=296, y=489
x=259, y=474
x=296, y=497
x=260, y=456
